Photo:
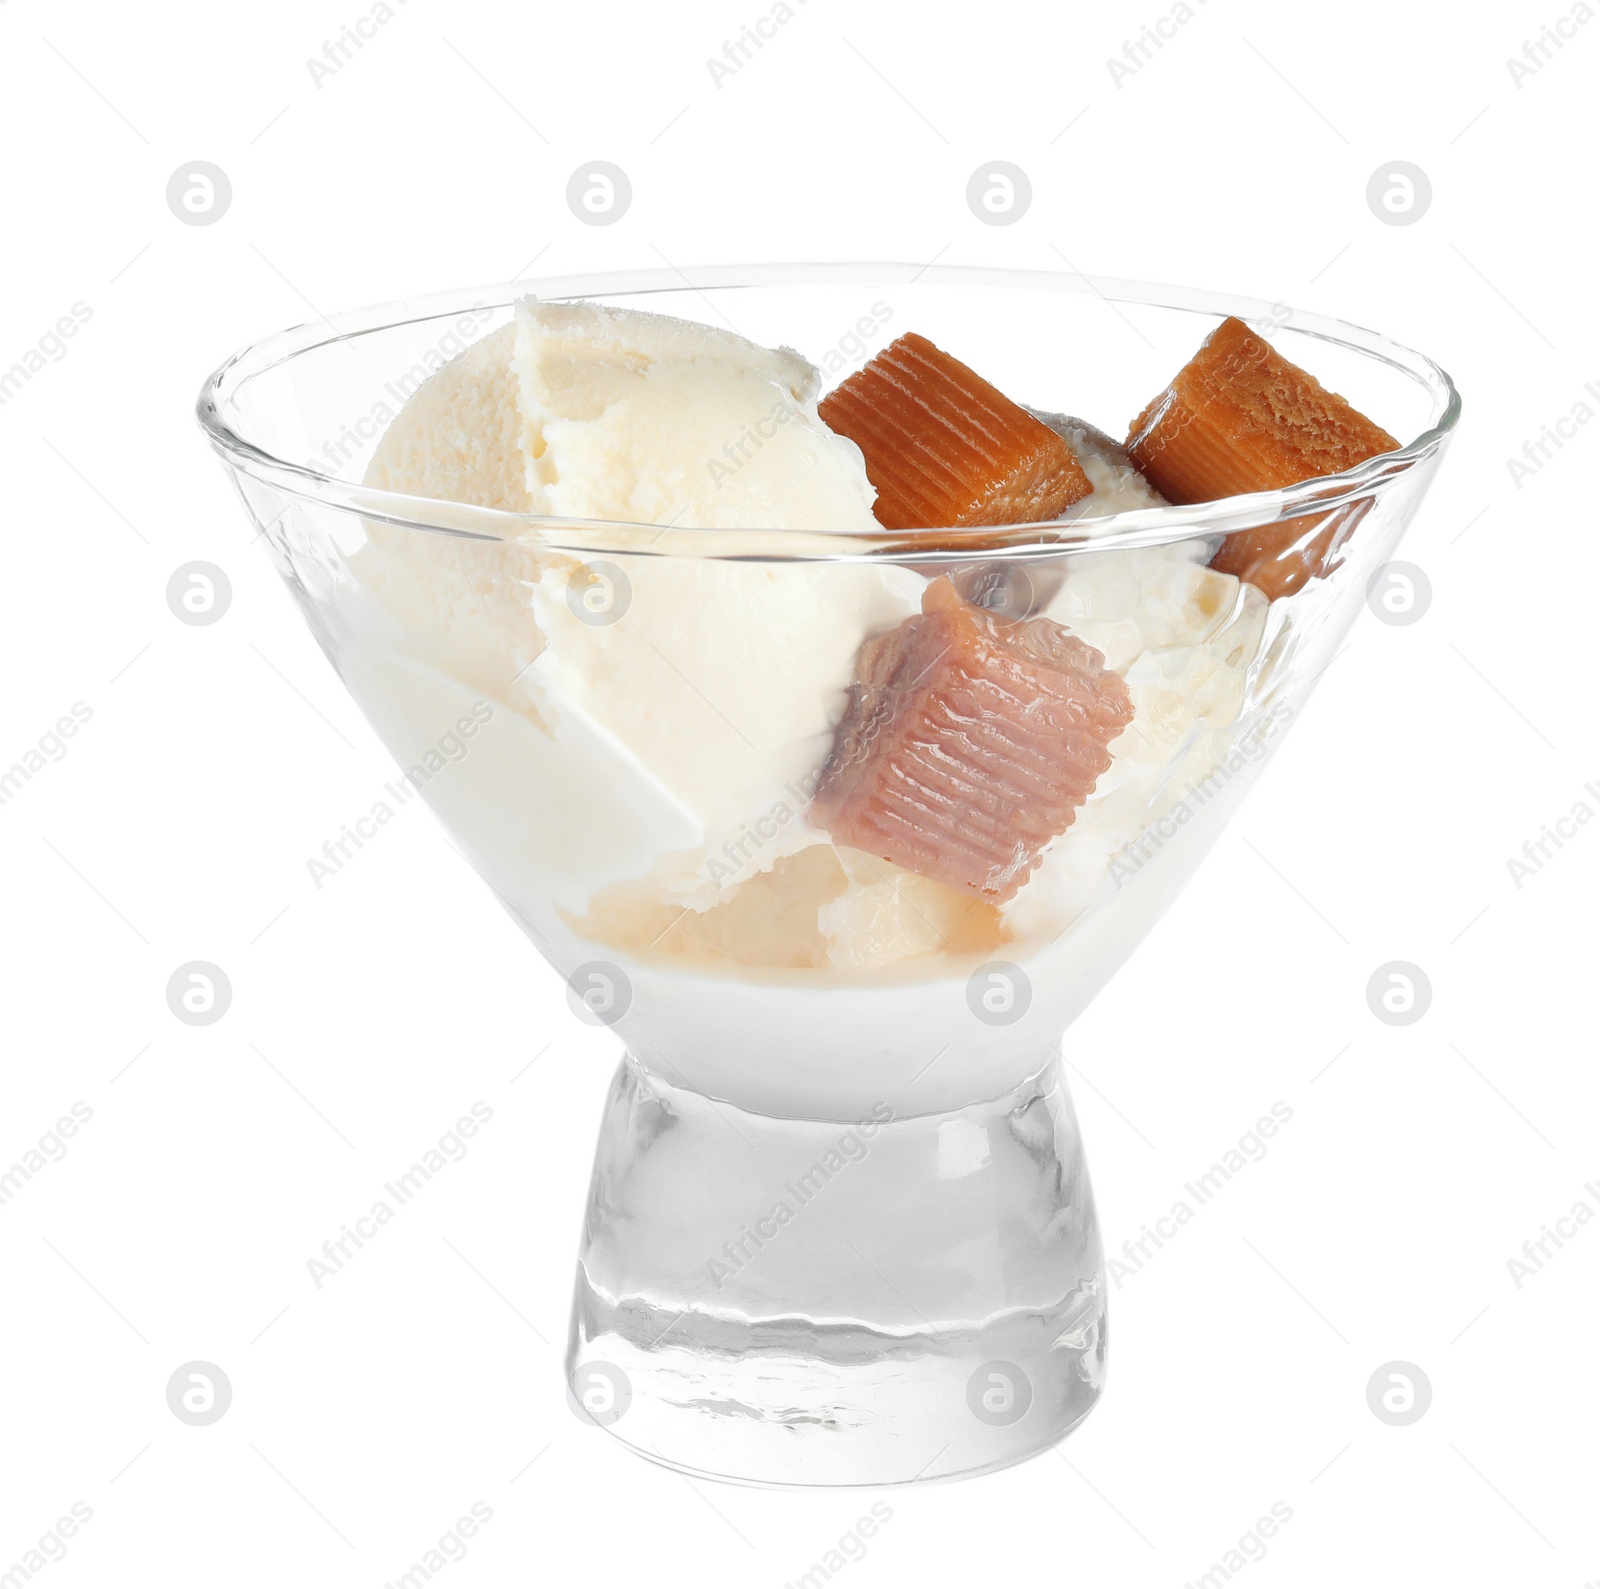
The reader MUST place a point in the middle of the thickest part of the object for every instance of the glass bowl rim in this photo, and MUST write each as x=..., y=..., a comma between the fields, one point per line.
x=1137, y=527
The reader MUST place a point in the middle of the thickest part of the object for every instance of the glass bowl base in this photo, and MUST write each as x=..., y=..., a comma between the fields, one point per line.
x=797, y=1302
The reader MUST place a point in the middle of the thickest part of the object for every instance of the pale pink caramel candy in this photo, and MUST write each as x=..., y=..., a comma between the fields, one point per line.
x=969, y=743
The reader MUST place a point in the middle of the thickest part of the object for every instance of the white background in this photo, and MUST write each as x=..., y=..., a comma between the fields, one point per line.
x=371, y=1414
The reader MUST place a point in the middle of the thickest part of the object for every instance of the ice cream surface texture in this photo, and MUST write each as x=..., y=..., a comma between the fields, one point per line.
x=696, y=700
x=1118, y=485
x=646, y=418
x=459, y=438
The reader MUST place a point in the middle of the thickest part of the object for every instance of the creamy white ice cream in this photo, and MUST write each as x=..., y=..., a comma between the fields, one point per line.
x=1183, y=637
x=725, y=680
x=465, y=603
x=672, y=713
x=709, y=688
x=1118, y=485
x=646, y=418
x=459, y=437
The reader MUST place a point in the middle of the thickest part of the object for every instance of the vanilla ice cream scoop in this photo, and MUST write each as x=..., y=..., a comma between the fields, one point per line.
x=711, y=690
x=578, y=410
x=655, y=420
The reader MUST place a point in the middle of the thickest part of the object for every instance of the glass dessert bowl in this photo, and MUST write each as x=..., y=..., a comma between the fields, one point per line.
x=835, y=791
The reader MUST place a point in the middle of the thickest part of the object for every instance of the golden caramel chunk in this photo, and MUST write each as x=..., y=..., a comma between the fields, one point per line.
x=943, y=447
x=768, y=920
x=1239, y=417
x=822, y=906
x=969, y=742
x=1280, y=558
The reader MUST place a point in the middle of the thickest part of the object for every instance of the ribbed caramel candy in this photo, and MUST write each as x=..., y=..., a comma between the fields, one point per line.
x=1239, y=417
x=968, y=744
x=943, y=447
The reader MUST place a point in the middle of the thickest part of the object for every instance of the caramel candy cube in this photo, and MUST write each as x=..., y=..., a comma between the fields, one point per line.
x=1239, y=417
x=968, y=744
x=943, y=447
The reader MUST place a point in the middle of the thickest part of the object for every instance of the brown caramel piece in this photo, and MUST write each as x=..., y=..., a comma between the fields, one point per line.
x=943, y=447
x=826, y=905
x=1280, y=558
x=1239, y=417
x=968, y=744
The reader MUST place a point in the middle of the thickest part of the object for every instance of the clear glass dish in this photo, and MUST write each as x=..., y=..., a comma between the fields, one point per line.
x=840, y=1229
